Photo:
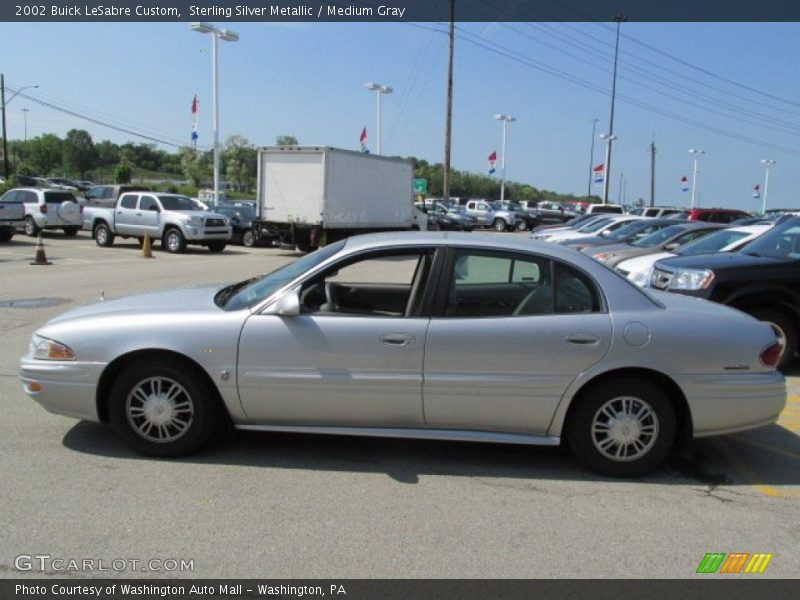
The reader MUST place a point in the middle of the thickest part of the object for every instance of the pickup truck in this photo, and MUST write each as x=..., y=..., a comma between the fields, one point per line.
x=491, y=214
x=171, y=218
x=12, y=213
x=762, y=279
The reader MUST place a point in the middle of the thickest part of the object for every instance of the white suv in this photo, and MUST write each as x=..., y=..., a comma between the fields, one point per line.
x=49, y=209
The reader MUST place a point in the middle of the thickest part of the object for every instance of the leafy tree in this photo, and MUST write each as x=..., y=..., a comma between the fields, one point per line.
x=196, y=165
x=240, y=160
x=79, y=152
x=286, y=140
x=123, y=172
x=106, y=153
x=45, y=153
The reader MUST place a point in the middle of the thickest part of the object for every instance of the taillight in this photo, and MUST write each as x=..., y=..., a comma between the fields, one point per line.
x=771, y=355
x=81, y=207
x=43, y=208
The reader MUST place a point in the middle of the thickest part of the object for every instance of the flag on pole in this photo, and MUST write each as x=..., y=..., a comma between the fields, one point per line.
x=684, y=184
x=363, y=140
x=757, y=191
x=194, y=120
x=492, y=161
x=599, y=173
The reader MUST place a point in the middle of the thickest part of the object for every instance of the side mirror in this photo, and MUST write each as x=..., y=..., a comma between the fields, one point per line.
x=288, y=304
x=672, y=246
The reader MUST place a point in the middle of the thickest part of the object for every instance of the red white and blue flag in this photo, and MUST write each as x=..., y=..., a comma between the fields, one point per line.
x=492, y=161
x=599, y=173
x=757, y=191
x=194, y=120
x=363, y=139
x=684, y=184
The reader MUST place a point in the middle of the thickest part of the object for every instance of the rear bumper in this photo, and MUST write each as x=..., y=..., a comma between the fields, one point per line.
x=64, y=388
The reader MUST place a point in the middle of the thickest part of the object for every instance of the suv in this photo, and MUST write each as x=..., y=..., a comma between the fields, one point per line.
x=11, y=214
x=596, y=209
x=492, y=215
x=762, y=279
x=47, y=209
x=107, y=195
x=716, y=215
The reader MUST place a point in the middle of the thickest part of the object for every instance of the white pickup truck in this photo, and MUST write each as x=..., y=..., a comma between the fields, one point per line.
x=12, y=213
x=171, y=218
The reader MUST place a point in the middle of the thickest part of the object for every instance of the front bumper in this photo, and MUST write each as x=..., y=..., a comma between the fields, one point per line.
x=66, y=388
x=207, y=234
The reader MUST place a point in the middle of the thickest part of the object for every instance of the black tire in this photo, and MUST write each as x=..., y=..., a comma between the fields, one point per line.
x=657, y=436
x=248, y=238
x=521, y=226
x=71, y=231
x=103, y=236
x=6, y=236
x=499, y=225
x=173, y=241
x=140, y=241
x=195, y=406
x=785, y=330
x=31, y=229
x=216, y=246
x=306, y=247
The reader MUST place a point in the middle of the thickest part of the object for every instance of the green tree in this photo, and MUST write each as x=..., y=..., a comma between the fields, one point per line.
x=79, y=152
x=107, y=154
x=239, y=157
x=286, y=140
x=45, y=153
x=196, y=165
x=123, y=172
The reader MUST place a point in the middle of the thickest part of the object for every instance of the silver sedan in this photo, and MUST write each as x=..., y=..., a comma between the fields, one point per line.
x=419, y=335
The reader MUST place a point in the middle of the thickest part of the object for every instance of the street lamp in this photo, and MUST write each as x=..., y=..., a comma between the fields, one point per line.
x=25, y=112
x=506, y=119
x=608, y=137
x=3, y=103
x=767, y=164
x=591, y=159
x=696, y=152
x=226, y=36
x=379, y=90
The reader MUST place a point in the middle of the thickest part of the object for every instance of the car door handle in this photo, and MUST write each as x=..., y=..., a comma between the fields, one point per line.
x=398, y=339
x=582, y=339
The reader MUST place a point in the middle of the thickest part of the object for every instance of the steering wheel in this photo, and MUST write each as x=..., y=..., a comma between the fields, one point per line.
x=331, y=299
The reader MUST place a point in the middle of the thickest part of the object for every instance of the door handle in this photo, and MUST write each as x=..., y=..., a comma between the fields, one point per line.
x=582, y=339
x=398, y=340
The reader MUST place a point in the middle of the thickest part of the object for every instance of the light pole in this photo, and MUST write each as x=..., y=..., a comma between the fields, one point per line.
x=3, y=103
x=618, y=19
x=767, y=164
x=226, y=36
x=591, y=159
x=696, y=152
x=379, y=90
x=25, y=112
x=608, y=138
x=506, y=119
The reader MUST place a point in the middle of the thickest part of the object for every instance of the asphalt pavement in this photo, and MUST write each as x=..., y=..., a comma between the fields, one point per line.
x=290, y=506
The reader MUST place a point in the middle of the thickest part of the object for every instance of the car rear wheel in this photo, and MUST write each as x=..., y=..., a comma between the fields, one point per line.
x=103, y=235
x=71, y=231
x=784, y=330
x=623, y=427
x=174, y=241
x=163, y=409
x=248, y=238
x=499, y=225
x=31, y=229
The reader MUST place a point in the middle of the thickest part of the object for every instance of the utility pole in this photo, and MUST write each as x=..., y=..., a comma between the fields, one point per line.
x=591, y=159
x=653, y=172
x=767, y=164
x=5, y=145
x=449, y=112
x=618, y=19
x=695, y=152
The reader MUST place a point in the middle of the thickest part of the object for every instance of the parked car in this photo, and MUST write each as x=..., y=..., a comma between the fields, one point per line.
x=629, y=232
x=171, y=218
x=492, y=215
x=666, y=239
x=639, y=269
x=596, y=209
x=12, y=214
x=605, y=223
x=546, y=212
x=762, y=279
x=334, y=343
x=713, y=215
x=47, y=209
x=241, y=219
x=659, y=211
x=59, y=183
x=107, y=195
x=442, y=218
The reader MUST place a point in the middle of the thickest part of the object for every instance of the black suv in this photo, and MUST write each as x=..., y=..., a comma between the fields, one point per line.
x=762, y=279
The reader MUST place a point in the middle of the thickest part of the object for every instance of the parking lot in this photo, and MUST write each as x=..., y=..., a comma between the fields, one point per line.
x=336, y=507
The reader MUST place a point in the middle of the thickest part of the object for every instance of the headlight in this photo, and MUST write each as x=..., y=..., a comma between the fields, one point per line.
x=195, y=221
x=603, y=256
x=45, y=349
x=691, y=279
x=641, y=278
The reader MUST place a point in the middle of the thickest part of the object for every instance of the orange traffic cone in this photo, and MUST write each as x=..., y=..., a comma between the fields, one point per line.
x=147, y=251
x=41, y=257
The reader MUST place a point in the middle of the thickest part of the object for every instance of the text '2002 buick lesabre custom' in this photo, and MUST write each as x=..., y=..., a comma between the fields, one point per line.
x=423, y=335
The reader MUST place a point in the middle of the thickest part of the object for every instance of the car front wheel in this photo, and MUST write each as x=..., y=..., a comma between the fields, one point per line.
x=499, y=225
x=174, y=241
x=163, y=409
x=622, y=428
x=31, y=229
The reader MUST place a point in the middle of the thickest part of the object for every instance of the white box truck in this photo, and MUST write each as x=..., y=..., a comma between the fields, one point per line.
x=314, y=195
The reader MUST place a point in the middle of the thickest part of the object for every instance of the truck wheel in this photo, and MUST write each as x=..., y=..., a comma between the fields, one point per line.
x=6, y=236
x=306, y=247
x=248, y=238
x=784, y=330
x=71, y=231
x=31, y=229
x=216, y=246
x=499, y=225
x=174, y=241
x=622, y=427
x=103, y=235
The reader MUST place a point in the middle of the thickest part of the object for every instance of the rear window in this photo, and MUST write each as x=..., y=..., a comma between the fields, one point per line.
x=58, y=197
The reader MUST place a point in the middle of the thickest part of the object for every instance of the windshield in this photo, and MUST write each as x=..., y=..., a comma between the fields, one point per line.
x=595, y=225
x=629, y=229
x=711, y=243
x=255, y=291
x=781, y=242
x=654, y=239
x=177, y=203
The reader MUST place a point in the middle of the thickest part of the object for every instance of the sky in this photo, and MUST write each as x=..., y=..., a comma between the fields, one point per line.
x=731, y=89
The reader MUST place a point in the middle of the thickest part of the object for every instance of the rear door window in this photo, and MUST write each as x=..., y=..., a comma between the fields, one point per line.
x=129, y=201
